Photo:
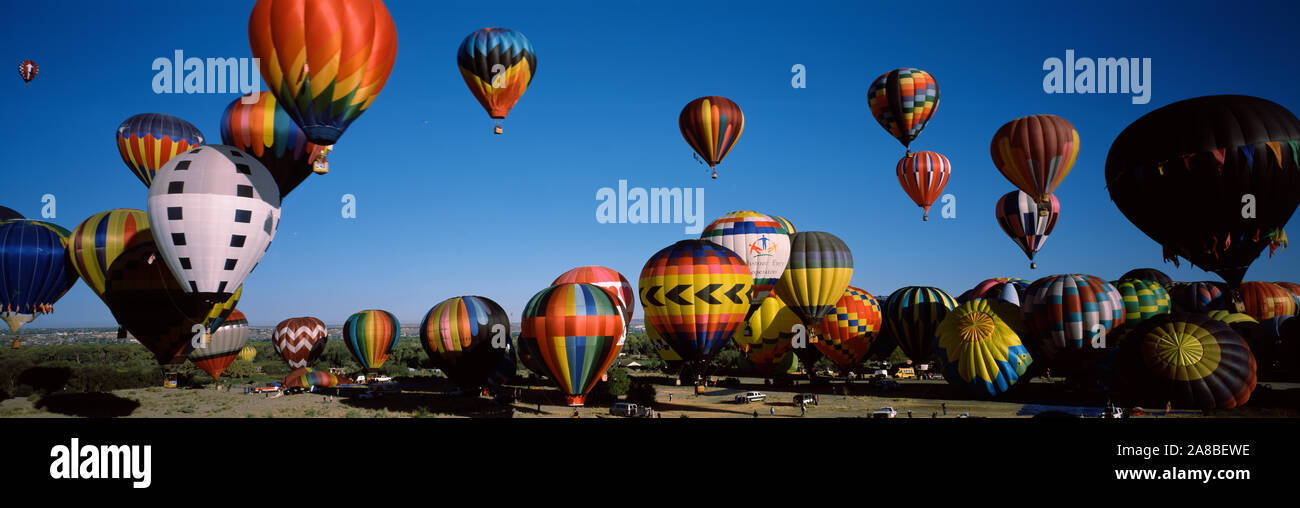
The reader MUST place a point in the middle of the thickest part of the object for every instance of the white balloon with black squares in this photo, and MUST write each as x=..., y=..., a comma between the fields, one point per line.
x=214, y=211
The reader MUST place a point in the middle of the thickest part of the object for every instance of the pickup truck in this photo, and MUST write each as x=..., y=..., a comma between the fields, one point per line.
x=884, y=412
x=751, y=397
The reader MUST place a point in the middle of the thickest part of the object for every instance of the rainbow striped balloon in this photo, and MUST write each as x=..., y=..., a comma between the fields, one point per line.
x=100, y=239
x=371, y=335
x=466, y=337
x=711, y=125
x=574, y=331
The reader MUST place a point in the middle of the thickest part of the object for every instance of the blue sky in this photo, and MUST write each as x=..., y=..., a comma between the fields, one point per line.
x=445, y=208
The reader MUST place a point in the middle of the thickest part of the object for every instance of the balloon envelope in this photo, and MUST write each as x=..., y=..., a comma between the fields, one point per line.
x=695, y=293
x=497, y=64
x=371, y=335
x=574, y=330
x=264, y=130
x=820, y=268
x=100, y=239
x=979, y=347
x=147, y=141
x=711, y=125
x=1020, y=218
x=923, y=176
x=35, y=270
x=300, y=341
x=1035, y=153
x=912, y=317
x=760, y=240
x=224, y=345
x=903, y=101
x=466, y=337
x=765, y=337
x=1188, y=360
x=847, y=333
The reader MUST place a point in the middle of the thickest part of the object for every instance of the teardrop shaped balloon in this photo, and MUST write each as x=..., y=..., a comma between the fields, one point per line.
x=1022, y=219
x=820, y=269
x=1211, y=151
x=1069, y=316
x=224, y=345
x=466, y=337
x=847, y=333
x=765, y=338
x=761, y=240
x=574, y=329
x=608, y=279
x=213, y=212
x=371, y=336
x=325, y=62
x=1189, y=361
x=497, y=64
x=100, y=239
x=903, y=101
x=147, y=141
x=923, y=176
x=35, y=271
x=912, y=317
x=27, y=70
x=264, y=130
x=248, y=353
x=979, y=347
x=1265, y=300
x=695, y=292
x=300, y=341
x=711, y=125
x=1035, y=153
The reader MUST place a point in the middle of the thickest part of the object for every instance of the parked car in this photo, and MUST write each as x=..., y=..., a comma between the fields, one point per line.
x=751, y=397
x=631, y=410
x=805, y=399
x=884, y=412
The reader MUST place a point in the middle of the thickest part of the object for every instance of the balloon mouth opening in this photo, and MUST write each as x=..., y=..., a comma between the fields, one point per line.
x=322, y=134
x=575, y=400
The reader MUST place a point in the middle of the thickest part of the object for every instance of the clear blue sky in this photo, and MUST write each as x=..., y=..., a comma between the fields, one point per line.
x=445, y=208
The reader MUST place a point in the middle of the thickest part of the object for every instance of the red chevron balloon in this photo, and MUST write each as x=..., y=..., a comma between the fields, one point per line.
x=300, y=341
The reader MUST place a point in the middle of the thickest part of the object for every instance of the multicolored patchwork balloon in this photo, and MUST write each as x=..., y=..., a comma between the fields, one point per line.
x=761, y=240
x=148, y=140
x=466, y=337
x=923, y=176
x=497, y=64
x=225, y=344
x=847, y=333
x=1190, y=361
x=1265, y=300
x=1070, y=313
x=912, y=316
x=574, y=331
x=1022, y=219
x=765, y=337
x=300, y=341
x=695, y=293
x=371, y=335
x=903, y=101
x=325, y=62
x=711, y=125
x=609, y=280
x=1142, y=299
x=980, y=349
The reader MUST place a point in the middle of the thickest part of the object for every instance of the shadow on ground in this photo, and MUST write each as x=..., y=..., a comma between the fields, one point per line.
x=88, y=405
x=432, y=404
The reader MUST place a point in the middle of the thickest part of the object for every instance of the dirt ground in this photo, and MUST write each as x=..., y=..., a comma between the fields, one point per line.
x=924, y=399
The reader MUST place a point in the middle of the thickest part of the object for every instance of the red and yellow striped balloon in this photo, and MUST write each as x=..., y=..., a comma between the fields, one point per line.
x=1266, y=300
x=711, y=125
x=923, y=176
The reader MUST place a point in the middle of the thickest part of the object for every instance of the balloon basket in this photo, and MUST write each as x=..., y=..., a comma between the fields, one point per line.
x=575, y=400
x=16, y=344
x=169, y=380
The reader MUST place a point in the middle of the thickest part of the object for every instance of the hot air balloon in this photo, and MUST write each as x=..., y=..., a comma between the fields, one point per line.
x=1196, y=297
x=980, y=349
x=1294, y=289
x=34, y=270
x=1209, y=152
x=765, y=337
x=847, y=333
x=695, y=293
x=574, y=330
x=7, y=214
x=530, y=357
x=1189, y=361
x=27, y=70
x=1265, y=300
x=912, y=317
x=1035, y=153
x=789, y=227
x=608, y=279
x=711, y=125
x=264, y=130
x=497, y=64
x=1006, y=289
x=1072, y=314
x=325, y=62
x=466, y=337
x=903, y=101
x=213, y=212
x=665, y=350
x=923, y=176
x=371, y=335
x=148, y=302
x=225, y=344
x=1142, y=299
x=820, y=269
x=1150, y=274
x=1024, y=221
x=248, y=353
x=761, y=240
x=307, y=377
x=147, y=141
x=100, y=239
x=300, y=341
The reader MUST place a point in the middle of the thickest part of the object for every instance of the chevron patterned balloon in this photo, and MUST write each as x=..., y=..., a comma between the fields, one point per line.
x=300, y=341
x=696, y=293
